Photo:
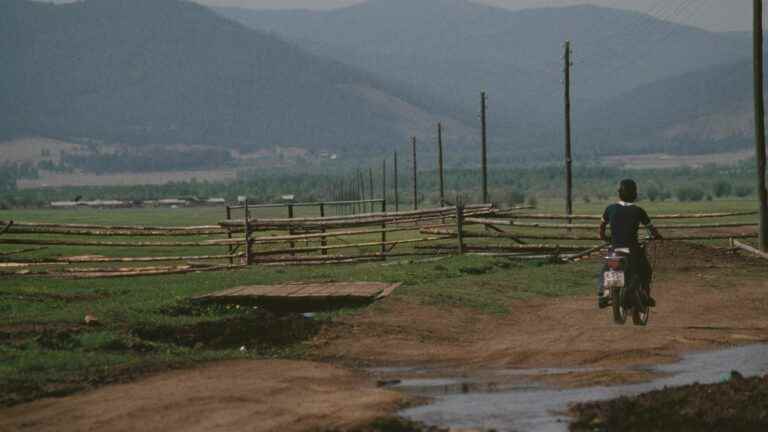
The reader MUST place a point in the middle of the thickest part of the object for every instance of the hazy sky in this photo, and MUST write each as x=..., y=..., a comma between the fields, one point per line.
x=718, y=15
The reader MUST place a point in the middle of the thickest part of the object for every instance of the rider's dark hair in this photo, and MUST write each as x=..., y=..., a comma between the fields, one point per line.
x=628, y=190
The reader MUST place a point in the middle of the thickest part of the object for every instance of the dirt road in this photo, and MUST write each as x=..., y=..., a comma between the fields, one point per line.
x=706, y=299
x=228, y=396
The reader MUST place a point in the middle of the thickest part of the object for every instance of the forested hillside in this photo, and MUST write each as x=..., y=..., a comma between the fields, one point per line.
x=166, y=72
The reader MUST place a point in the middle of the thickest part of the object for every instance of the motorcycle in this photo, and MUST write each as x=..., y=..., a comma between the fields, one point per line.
x=623, y=287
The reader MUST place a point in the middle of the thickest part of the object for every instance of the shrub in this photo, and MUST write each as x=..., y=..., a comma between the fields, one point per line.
x=653, y=193
x=689, y=193
x=742, y=191
x=722, y=188
x=532, y=201
x=515, y=197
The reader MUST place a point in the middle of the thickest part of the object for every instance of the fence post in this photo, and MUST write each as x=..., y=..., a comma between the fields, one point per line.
x=370, y=189
x=415, y=175
x=322, y=239
x=229, y=236
x=247, y=224
x=384, y=227
x=290, y=228
x=394, y=179
x=460, y=227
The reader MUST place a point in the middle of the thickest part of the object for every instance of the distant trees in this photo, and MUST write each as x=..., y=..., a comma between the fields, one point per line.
x=689, y=193
x=743, y=191
x=722, y=188
x=148, y=160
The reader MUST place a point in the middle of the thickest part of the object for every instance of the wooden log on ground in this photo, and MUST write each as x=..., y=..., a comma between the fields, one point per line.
x=115, y=233
x=104, y=275
x=750, y=249
x=510, y=222
x=511, y=248
x=558, y=258
x=7, y=226
x=54, y=242
x=101, y=259
x=563, y=237
x=552, y=216
x=116, y=227
x=21, y=251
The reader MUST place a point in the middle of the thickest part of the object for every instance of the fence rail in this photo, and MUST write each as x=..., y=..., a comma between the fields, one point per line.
x=480, y=229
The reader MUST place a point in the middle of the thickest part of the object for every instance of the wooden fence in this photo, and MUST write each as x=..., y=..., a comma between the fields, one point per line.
x=351, y=235
x=510, y=233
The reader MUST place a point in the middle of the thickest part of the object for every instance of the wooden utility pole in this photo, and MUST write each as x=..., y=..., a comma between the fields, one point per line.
x=383, y=207
x=247, y=227
x=440, y=163
x=415, y=175
x=397, y=194
x=323, y=241
x=762, y=194
x=384, y=183
x=484, y=144
x=568, y=157
x=370, y=188
x=361, y=195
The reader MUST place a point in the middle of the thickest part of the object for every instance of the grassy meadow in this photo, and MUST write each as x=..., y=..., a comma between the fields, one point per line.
x=149, y=323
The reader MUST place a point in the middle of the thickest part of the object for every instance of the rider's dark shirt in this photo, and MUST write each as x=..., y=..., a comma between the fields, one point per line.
x=625, y=220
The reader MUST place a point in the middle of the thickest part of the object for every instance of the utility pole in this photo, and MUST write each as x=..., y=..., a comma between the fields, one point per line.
x=440, y=163
x=361, y=179
x=568, y=157
x=397, y=194
x=484, y=144
x=415, y=175
x=370, y=189
x=762, y=194
x=384, y=184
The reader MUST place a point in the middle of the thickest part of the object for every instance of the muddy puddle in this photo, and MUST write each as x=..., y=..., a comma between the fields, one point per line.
x=518, y=400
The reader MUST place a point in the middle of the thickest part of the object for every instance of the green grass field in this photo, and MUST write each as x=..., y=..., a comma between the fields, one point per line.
x=46, y=349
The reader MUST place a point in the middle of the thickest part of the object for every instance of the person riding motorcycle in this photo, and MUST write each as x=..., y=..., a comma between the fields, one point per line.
x=625, y=218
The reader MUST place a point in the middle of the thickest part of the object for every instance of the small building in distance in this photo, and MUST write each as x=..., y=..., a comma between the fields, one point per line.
x=169, y=202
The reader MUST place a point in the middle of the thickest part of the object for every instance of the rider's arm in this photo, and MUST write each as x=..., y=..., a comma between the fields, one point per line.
x=648, y=224
x=603, y=225
x=654, y=232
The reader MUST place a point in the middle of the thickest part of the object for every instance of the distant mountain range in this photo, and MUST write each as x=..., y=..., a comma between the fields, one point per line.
x=361, y=79
x=456, y=48
x=709, y=110
x=155, y=72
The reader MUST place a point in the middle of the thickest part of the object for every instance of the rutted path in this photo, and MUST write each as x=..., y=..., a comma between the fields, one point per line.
x=707, y=300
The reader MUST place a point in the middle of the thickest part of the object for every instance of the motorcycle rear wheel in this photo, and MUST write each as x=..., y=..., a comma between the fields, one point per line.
x=640, y=310
x=619, y=314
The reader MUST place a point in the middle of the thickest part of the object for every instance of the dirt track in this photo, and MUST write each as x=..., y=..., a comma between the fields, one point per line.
x=713, y=299
x=229, y=396
x=707, y=303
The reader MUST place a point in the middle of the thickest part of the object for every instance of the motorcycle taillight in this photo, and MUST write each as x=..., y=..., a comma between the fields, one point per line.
x=614, y=264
